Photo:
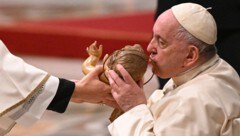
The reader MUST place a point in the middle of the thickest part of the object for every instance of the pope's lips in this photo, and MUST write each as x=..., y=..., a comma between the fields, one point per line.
x=152, y=61
x=151, y=58
x=152, y=55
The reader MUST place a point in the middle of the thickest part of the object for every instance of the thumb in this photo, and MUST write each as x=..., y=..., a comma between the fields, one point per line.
x=97, y=70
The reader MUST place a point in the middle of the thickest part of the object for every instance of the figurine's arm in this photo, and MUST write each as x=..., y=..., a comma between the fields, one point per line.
x=94, y=55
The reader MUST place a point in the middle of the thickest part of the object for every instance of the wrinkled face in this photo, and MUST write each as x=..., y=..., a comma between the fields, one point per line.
x=167, y=52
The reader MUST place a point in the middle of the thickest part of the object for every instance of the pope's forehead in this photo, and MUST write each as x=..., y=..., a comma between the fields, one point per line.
x=166, y=16
x=166, y=20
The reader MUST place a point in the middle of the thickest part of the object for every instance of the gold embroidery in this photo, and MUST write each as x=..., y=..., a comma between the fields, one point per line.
x=28, y=97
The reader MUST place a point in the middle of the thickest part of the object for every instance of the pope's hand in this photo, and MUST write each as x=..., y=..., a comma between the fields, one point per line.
x=126, y=91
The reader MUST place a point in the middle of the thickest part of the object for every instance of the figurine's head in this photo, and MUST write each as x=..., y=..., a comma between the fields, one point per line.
x=132, y=58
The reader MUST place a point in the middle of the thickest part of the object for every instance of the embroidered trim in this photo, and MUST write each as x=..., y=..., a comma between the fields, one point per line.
x=28, y=97
x=26, y=106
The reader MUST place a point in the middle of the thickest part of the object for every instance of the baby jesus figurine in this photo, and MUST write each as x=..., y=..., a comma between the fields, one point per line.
x=132, y=58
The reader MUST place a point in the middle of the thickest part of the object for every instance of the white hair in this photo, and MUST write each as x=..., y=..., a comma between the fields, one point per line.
x=205, y=50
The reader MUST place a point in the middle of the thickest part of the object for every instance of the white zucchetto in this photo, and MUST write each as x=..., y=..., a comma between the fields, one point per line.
x=197, y=21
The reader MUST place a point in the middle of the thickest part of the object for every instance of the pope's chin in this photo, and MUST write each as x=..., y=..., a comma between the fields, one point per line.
x=157, y=71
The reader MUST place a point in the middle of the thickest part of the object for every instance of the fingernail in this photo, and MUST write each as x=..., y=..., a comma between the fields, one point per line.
x=119, y=66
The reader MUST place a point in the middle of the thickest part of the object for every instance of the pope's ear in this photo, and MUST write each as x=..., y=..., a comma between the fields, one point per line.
x=193, y=55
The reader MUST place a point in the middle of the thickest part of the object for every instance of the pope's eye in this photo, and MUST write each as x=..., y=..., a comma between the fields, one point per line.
x=161, y=43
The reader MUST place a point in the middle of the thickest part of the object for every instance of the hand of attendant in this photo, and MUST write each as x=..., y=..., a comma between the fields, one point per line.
x=126, y=91
x=90, y=89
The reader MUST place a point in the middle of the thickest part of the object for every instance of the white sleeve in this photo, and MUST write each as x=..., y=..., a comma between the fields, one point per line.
x=30, y=111
x=41, y=103
x=26, y=91
x=136, y=122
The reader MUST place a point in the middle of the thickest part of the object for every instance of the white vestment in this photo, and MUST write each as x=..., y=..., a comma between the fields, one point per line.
x=25, y=91
x=204, y=101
